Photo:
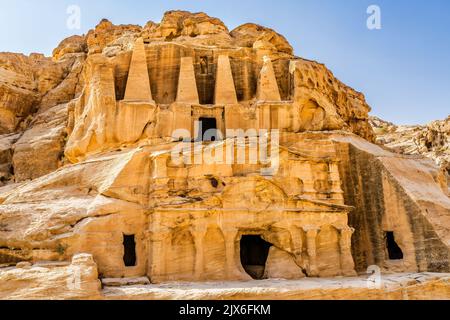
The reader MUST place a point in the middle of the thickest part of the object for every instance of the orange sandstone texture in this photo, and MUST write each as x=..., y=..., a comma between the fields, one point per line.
x=88, y=181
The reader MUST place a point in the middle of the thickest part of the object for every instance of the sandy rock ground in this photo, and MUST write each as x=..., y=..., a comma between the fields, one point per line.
x=59, y=281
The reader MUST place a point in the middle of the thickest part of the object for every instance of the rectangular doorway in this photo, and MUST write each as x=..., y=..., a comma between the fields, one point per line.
x=129, y=246
x=208, y=129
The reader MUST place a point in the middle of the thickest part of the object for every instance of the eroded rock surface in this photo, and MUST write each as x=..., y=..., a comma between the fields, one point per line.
x=55, y=281
x=87, y=166
x=31, y=89
x=432, y=140
x=40, y=149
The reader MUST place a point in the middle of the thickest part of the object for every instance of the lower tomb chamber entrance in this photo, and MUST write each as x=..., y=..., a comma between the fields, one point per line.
x=254, y=254
x=394, y=252
x=129, y=246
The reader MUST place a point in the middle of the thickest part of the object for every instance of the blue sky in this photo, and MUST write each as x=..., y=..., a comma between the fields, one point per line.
x=403, y=69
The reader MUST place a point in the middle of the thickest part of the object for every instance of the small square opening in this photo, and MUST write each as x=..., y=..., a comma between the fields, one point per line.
x=208, y=130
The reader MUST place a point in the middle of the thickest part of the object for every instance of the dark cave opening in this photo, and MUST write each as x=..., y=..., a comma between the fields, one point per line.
x=129, y=246
x=208, y=129
x=254, y=254
x=394, y=251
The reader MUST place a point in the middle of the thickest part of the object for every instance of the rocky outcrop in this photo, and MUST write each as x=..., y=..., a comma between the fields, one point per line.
x=55, y=281
x=431, y=140
x=425, y=286
x=50, y=210
x=70, y=86
x=31, y=89
x=93, y=149
x=40, y=150
x=252, y=35
x=405, y=195
x=78, y=280
x=328, y=104
x=70, y=47
x=18, y=90
x=182, y=23
x=106, y=33
x=35, y=82
x=6, y=153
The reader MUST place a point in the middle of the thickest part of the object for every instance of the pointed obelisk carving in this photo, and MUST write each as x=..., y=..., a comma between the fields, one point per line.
x=267, y=85
x=225, y=92
x=187, y=85
x=138, y=84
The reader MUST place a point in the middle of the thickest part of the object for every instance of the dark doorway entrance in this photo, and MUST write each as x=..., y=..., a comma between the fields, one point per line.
x=129, y=246
x=208, y=129
x=394, y=251
x=254, y=253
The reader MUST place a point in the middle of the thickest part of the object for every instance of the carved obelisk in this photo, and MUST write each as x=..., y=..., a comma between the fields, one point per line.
x=138, y=84
x=187, y=85
x=267, y=85
x=225, y=92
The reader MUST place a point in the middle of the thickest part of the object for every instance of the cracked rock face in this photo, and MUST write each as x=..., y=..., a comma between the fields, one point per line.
x=431, y=140
x=87, y=167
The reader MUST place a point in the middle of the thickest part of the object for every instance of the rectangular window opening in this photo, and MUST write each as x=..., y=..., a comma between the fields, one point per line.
x=129, y=246
x=208, y=130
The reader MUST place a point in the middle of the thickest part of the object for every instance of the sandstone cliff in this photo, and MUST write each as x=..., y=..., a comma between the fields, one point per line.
x=431, y=140
x=33, y=93
x=29, y=86
x=86, y=167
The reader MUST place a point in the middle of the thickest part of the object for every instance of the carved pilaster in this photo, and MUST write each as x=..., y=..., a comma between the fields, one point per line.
x=233, y=272
x=199, y=234
x=160, y=244
x=345, y=245
x=311, y=238
x=297, y=242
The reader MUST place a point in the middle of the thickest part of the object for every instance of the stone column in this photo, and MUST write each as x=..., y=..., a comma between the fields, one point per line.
x=233, y=272
x=199, y=233
x=159, y=245
x=311, y=237
x=345, y=246
x=297, y=242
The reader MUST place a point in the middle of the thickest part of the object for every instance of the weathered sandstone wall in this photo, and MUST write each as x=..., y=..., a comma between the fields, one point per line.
x=395, y=193
x=87, y=173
